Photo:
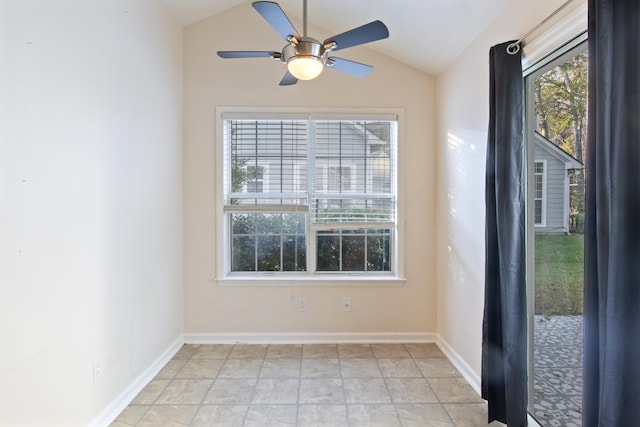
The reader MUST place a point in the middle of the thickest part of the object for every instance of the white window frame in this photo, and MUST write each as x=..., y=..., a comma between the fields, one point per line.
x=543, y=199
x=223, y=275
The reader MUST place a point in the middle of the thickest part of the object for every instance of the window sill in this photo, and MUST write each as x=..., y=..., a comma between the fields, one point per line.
x=316, y=280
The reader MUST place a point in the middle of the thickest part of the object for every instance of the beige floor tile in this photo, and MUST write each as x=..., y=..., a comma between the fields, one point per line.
x=248, y=351
x=276, y=391
x=372, y=416
x=436, y=367
x=280, y=368
x=424, y=415
x=168, y=416
x=360, y=368
x=424, y=350
x=184, y=392
x=200, y=369
x=320, y=368
x=322, y=416
x=170, y=370
x=390, y=351
x=130, y=416
x=454, y=390
x=186, y=351
x=321, y=391
x=355, y=351
x=150, y=392
x=284, y=351
x=231, y=392
x=239, y=368
x=410, y=390
x=467, y=414
x=319, y=351
x=365, y=390
x=212, y=351
x=271, y=415
x=399, y=368
x=220, y=416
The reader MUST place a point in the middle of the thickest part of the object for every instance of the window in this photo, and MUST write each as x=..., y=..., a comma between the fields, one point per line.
x=255, y=179
x=539, y=191
x=308, y=197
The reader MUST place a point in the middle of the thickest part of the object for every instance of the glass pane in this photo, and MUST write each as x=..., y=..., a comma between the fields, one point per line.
x=269, y=223
x=265, y=156
x=538, y=211
x=269, y=253
x=353, y=253
x=558, y=110
x=243, y=223
x=293, y=223
x=243, y=253
x=255, y=187
x=294, y=253
x=538, y=189
x=378, y=253
x=328, y=252
x=539, y=167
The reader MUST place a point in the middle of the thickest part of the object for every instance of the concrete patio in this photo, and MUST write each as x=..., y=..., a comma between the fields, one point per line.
x=558, y=371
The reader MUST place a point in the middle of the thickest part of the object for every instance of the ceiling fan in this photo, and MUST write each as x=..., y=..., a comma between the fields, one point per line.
x=305, y=56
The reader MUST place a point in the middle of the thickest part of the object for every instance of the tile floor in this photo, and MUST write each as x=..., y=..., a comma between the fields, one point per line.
x=307, y=385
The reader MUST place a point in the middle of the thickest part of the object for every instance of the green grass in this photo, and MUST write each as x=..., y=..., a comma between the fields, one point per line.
x=559, y=274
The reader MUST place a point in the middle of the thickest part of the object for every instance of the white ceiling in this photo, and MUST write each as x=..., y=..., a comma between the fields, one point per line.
x=427, y=34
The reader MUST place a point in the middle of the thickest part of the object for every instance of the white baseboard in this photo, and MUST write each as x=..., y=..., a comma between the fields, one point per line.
x=111, y=412
x=461, y=365
x=310, y=338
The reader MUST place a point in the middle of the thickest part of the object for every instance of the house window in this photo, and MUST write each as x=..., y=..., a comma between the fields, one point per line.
x=255, y=179
x=279, y=218
x=539, y=195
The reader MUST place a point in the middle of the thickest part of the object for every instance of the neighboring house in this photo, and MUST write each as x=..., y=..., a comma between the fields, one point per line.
x=350, y=157
x=552, y=166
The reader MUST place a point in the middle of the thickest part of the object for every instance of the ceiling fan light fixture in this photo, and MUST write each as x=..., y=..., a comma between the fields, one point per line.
x=305, y=67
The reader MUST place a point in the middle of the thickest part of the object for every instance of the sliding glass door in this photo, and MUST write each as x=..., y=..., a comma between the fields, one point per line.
x=556, y=129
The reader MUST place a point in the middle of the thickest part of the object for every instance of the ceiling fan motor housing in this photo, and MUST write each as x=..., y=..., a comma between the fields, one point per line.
x=306, y=47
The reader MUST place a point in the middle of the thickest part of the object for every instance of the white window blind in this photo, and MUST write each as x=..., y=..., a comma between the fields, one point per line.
x=265, y=164
x=359, y=160
x=353, y=162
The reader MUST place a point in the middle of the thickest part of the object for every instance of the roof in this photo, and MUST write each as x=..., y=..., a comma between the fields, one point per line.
x=556, y=151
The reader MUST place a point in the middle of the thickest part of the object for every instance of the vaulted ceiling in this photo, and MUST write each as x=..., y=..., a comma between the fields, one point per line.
x=427, y=34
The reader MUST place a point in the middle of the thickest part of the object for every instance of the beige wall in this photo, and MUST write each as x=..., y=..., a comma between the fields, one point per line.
x=90, y=203
x=463, y=118
x=211, y=82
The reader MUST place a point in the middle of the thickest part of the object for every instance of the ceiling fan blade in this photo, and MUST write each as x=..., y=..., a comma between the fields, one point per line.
x=247, y=54
x=276, y=17
x=350, y=67
x=288, y=80
x=366, y=33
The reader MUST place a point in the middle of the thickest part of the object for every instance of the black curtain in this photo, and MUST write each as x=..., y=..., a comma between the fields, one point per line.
x=611, y=396
x=504, y=328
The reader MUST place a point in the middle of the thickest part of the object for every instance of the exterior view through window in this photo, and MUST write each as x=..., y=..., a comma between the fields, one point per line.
x=557, y=115
x=309, y=196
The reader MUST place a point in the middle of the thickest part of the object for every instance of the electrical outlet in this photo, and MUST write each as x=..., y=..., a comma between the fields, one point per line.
x=346, y=304
x=302, y=303
x=98, y=369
